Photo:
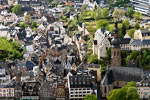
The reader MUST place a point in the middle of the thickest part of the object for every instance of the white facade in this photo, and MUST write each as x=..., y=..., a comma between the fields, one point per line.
x=6, y=92
x=80, y=93
x=101, y=36
x=142, y=6
x=144, y=92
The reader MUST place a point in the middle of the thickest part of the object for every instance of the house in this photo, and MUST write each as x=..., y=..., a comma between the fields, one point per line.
x=142, y=7
x=4, y=78
x=4, y=2
x=81, y=84
x=77, y=3
x=30, y=90
x=92, y=67
x=48, y=90
x=142, y=34
x=101, y=42
x=125, y=43
x=10, y=18
x=143, y=86
x=7, y=91
x=36, y=17
x=24, y=2
x=26, y=76
x=4, y=31
x=18, y=90
x=139, y=44
x=60, y=91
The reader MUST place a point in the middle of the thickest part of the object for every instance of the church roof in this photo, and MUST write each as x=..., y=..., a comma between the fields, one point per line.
x=122, y=74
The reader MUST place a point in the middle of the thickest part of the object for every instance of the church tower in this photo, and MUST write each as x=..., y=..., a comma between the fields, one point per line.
x=115, y=51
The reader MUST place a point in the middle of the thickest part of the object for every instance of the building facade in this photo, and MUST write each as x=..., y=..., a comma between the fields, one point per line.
x=6, y=93
x=142, y=6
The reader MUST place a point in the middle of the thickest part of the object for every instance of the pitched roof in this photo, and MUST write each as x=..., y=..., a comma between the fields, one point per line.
x=138, y=42
x=122, y=40
x=122, y=74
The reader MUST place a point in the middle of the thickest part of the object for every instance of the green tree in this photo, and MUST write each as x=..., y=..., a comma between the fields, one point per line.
x=102, y=23
x=132, y=94
x=97, y=14
x=126, y=23
x=125, y=26
x=118, y=14
x=90, y=97
x=129, y=92
x=111, y=2
x=111, y=28
x=34, y=25
x=137, y=16
x=136, y=25
x=11, y=50
x=22, y=24
x=17, y=9
x=130, y=12
x=120, y=26
x=105, y=13
x=131, y=32
x=92, y=59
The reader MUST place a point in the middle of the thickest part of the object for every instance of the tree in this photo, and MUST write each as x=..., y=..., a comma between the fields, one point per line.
x=17, y=9
x=130, y=12
x=11, y=50
x=125, y=26
x=118, y=14
x=22, y=24
x=27, y=19
x=105, y=13
x=136, y=25
x=126, y=23
x=131, y=32
x=129, y=92
x=120, y=26
x=92, y=59
x=90, y=97
x=97, y=14
x=34, y=25
x=111, y=28
x=111, y=2
x=102, y=23
x=137, y=16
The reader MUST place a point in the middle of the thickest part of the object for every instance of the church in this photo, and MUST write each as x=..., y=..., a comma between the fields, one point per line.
x=117, y=76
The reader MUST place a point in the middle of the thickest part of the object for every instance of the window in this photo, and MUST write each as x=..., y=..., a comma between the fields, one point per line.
x=118, y=53
x=114, y=53
x=117, y=83
x=105, y=89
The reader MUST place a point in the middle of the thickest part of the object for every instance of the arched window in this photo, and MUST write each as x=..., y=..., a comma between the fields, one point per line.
x=114, y=53
x=118, y=53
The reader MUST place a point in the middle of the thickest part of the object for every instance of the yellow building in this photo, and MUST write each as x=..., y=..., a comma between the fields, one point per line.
x=142, y=34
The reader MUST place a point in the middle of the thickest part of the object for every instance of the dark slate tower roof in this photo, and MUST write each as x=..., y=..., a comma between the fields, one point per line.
x=115, y=41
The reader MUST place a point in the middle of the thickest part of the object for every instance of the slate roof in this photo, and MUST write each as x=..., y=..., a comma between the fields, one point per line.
x=145, y=32
x=138, y=42
x=30, y=65
x=146, y=80
x=122, y=74
x=80, y=81
x=122, y=40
